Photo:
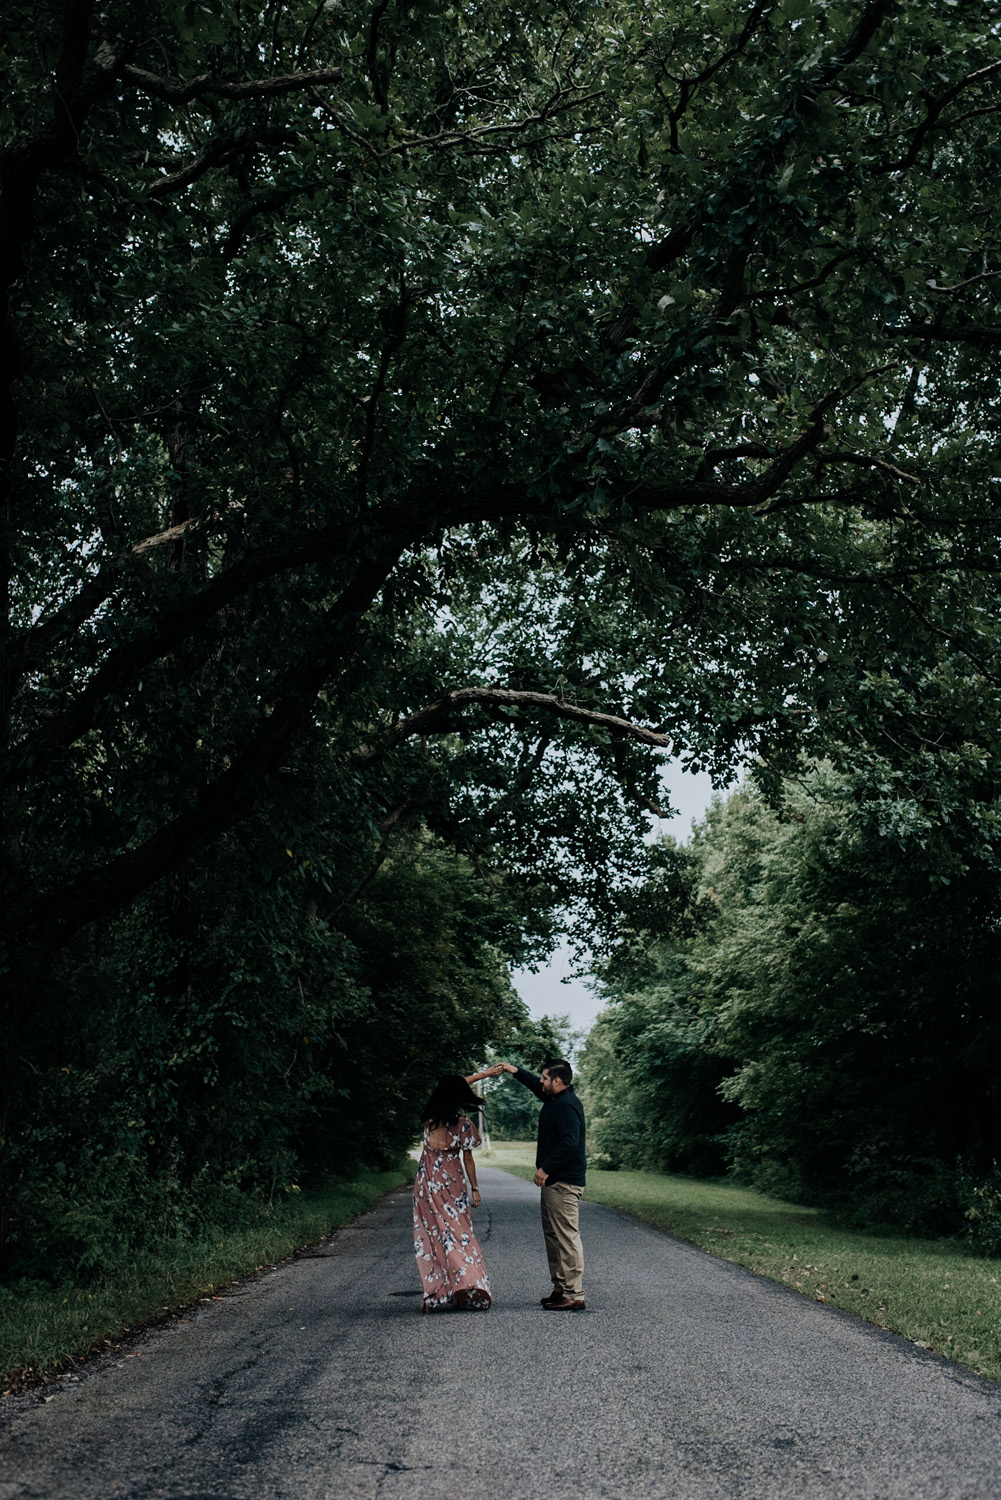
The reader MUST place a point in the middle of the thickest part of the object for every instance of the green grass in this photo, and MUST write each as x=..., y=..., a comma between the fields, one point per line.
x=44, y=1331
x=931, y=1291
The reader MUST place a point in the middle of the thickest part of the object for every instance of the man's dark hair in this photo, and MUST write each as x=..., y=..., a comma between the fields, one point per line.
x=559, y=1068
x=450, y=1098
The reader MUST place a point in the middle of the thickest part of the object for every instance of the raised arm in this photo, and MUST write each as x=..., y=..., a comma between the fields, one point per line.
x=533, y=1084
x=487, y=1072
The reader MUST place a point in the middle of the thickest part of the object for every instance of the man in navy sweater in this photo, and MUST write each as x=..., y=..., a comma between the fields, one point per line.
x=559, y=1163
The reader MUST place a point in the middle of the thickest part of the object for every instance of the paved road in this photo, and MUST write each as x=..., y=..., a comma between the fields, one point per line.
x=686, y=1379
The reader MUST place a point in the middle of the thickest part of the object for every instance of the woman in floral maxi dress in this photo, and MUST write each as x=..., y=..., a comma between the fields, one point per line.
x=448, y=1253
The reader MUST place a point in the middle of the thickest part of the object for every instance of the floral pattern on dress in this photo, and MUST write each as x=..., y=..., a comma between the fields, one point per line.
x=448, y=1253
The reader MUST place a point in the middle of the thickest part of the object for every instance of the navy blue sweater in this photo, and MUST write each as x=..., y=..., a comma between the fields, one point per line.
x=560, y=1152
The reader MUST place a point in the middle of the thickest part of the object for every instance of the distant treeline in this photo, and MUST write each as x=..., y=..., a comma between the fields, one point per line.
x=808, y=1000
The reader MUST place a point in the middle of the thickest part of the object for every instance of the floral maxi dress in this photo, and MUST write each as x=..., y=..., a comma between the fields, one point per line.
x=448, y=1253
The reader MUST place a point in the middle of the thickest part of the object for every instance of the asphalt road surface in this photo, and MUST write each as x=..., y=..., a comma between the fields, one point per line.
x=686, y=1379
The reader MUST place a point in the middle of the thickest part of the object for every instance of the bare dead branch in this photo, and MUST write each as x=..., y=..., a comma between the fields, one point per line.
x=945, y=291
x=404, y=525
x=52, y=628
x=438, y=718
x=174, y=533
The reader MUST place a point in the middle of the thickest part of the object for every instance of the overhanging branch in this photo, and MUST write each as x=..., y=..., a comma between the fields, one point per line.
x=43, y=636
x=439, y=718
x=60, y=913
x=207, y=84
x=406, y=524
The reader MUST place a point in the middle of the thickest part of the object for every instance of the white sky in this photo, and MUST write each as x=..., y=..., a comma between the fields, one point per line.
x=553, y=991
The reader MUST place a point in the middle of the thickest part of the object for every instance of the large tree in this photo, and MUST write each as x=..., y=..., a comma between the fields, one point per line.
x=461, y=400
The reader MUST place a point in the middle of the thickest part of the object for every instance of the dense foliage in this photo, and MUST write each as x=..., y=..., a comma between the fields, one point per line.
x=257, y=1054
x=414, y=419
x=816, y=1011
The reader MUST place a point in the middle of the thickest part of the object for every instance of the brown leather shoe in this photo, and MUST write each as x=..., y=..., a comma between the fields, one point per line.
x=565, y=1304
x=553, y=1296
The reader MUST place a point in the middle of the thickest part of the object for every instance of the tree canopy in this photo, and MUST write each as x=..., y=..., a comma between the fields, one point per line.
x=657, y=339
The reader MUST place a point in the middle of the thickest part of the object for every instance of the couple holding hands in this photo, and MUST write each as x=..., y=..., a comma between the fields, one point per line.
x=448, y=1253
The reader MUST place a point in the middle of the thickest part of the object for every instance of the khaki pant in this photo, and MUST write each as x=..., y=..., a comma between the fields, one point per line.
x=560, y=1229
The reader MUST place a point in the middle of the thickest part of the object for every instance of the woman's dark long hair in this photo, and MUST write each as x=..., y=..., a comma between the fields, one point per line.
x=450, y=1098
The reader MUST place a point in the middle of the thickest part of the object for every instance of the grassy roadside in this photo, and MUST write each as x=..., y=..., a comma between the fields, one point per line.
x=45, y=1330
x=931, y=1291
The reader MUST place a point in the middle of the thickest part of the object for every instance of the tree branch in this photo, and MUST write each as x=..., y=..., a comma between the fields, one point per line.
x=629, y=786
x=713, y=456
x=483, y=132
x=42, y=636
x=385, y=829
x=438, y=718
x=677, y=242
x=407, y=523
x=57, y=915
x=220, y=152
x=868, y=461
x=944, y=635
x=520, y=782
x=935, y=108
x=813, y=435
x=983, y=333
x=206, y=84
